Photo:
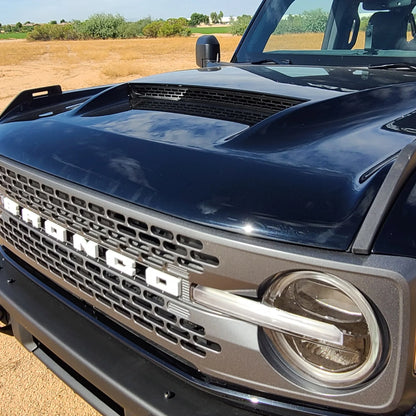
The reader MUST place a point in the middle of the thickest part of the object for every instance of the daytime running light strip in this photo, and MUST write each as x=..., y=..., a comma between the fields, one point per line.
x=266, y=316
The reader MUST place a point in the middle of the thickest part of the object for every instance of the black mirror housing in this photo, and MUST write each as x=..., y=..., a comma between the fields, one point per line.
x=207, y=50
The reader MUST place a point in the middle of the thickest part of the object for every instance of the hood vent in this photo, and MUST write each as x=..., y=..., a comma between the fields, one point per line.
x=238, y=106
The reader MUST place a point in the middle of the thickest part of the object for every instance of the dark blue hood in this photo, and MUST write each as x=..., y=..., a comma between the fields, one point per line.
x=304, y=174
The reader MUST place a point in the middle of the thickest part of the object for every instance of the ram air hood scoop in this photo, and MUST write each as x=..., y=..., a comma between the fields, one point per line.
x=262, y=160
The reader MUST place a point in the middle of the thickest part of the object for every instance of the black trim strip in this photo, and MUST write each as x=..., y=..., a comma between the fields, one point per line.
x=389, y=190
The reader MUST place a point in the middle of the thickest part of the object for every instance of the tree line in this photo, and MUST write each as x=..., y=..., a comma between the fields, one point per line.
x=105, y=26
x=109, y=26
x=309, y=21
x=199, y=18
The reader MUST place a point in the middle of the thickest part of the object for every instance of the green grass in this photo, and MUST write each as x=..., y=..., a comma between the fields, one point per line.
x=13, y=35
x=209, y=30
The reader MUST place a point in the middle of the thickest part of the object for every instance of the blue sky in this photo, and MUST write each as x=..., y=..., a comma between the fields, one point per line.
x=46, y=10
x=43, y=11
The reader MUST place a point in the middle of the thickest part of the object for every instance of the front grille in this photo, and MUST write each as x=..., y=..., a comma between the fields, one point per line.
x=191, y=338
x=151, y=244
x=128, y=300
x=237, y=106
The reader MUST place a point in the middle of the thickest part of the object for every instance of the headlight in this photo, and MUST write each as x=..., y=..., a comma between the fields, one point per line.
x=327, y=299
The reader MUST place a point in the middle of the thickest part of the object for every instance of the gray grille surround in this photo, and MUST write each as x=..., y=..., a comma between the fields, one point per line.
x=217, y=345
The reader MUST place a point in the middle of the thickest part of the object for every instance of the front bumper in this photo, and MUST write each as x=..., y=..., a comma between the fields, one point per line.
x=112, y=374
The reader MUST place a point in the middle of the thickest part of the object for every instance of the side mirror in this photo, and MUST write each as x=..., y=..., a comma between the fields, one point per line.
x=207, y=50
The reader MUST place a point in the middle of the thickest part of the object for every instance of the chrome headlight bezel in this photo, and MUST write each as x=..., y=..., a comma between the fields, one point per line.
x=296, y=361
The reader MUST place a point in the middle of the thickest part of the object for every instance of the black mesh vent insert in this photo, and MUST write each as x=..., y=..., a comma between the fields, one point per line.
x=237, y=106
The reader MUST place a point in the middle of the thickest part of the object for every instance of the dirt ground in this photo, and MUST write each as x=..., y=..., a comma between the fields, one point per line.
x=80, y=64
x=27, y=388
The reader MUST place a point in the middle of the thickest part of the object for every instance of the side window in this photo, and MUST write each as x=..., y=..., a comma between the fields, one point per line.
x=299, y=29
x=348, y=27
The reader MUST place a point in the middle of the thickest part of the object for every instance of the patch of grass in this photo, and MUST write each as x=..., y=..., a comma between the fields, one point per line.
x=211, y=30
x=13, y=35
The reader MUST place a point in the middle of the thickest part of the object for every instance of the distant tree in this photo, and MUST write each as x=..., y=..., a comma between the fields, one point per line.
x=168, y=28
x=53, y=22
x=307, y=22
x=239, y=25
x=53, y=32
x=220, y=16
x=27, y=28
x=62, y=21
x=293, y=23
x=18, y=27
x=142, y=23
x=175, y=27
x=101, y=26
x=214, y=18
x=152, y=29
x=198, y=18
x=129, y=30
x=315, y=20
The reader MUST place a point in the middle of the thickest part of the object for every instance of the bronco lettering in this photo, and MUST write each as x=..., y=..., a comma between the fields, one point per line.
x=113, y=259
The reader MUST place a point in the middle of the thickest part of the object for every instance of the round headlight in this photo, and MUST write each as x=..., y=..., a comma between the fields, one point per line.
x=326, y=298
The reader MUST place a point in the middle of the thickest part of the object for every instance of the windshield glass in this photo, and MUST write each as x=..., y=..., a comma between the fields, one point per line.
x=331, y=32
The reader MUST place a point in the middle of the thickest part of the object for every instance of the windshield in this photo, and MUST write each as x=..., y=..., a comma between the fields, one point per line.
x=331, y=32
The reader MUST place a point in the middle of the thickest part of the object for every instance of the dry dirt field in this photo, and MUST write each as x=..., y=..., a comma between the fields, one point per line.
x=27, y=388
x=79, y=64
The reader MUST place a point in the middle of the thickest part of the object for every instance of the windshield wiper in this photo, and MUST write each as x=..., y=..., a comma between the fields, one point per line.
x=398, y=66
x=272, y=62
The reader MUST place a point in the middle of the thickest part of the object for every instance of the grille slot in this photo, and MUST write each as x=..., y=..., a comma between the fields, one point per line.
x=237, y=106
x=125, y=299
